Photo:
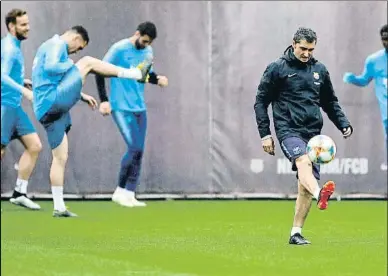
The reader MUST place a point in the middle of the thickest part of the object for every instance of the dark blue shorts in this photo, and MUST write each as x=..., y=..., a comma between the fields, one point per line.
x=295, y=147
x=57, y=120
x=14, y=124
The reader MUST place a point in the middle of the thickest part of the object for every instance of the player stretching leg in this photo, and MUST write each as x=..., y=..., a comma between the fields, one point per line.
x=14, y=121
x=128, y=107
x=376, y=68
x=57, y=84
x=297, y=118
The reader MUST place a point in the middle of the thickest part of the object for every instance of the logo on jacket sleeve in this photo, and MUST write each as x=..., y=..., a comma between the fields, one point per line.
x=297, y=150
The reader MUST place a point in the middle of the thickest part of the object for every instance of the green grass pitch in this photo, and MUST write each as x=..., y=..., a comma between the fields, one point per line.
x=194, y=238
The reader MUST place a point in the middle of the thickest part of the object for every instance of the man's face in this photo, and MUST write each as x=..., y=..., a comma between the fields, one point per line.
x=384, y=40
x=21, y=28
x=303, y=50
x=76, y=44
x=142, y=41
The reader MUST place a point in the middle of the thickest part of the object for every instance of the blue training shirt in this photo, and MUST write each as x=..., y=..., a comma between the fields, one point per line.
x=127, y=94
x=50, y=65
x=12, y=71
x=375, y=68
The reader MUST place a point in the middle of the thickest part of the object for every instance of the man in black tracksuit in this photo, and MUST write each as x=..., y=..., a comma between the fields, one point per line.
x=297, y=86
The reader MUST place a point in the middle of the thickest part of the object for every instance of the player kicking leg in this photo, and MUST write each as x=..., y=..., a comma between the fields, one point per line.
x=297, y=119
x=57, y=88
x=308, y=175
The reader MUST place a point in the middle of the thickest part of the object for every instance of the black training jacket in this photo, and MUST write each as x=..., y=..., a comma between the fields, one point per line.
x=296, y=91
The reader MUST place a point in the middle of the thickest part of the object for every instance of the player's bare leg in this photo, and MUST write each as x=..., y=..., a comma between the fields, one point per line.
x=88, y=65
x=60, y=156
x=26, y=165
x=302, y=208
x=57, y=178
x=28, y=159
x=308, y=181
x=306, y=176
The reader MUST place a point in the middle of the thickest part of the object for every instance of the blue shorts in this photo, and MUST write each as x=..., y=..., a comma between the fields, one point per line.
x=14, y=124
x=295, y=147
x=57, y=120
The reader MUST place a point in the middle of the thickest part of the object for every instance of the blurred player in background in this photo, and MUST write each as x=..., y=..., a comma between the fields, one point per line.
x=376, y=68
x=297, y=86
x=128, y=107
x=57, y=84
x=15, y=123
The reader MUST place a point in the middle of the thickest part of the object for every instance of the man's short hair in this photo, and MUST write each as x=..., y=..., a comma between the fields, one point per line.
x=305, y=34
x=81, y=31
x=12, y=15
x=148, y=28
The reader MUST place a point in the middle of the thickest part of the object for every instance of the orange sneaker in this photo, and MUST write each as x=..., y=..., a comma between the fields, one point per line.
x=325, y=194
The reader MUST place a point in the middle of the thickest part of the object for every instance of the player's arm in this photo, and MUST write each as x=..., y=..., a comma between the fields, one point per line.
x=330, y=105
x=7, y=62
x=264, y=96
x=102, y=94
x=153, y=77
x=156, y=79
x=365, y=78
x=52, y=63
x=105, y=108
x=111, y=57
x=27, y=83
x=89, y=100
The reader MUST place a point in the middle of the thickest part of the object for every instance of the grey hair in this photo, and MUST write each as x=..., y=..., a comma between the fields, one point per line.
x=305, y=34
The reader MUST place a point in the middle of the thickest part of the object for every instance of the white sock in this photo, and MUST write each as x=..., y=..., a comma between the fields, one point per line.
x=21, y=186
x=316, y=193
x=59, y=203
x=132, y=73
x=295, y=230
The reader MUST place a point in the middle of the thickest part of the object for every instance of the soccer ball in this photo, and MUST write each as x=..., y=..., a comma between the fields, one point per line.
x=321, y=149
